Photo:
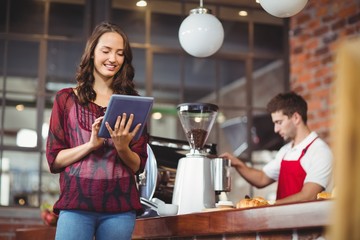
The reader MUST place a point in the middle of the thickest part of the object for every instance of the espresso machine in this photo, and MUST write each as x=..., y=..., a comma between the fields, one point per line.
x=194, y=188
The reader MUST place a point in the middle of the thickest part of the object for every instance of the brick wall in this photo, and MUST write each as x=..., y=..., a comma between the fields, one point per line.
x=314, y=36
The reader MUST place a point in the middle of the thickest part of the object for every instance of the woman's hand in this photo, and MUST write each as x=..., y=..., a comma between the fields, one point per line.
x=96, y=142
x=69, y=156
x=121, y=134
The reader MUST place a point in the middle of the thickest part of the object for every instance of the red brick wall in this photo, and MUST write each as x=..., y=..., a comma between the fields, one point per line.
x=314, y=36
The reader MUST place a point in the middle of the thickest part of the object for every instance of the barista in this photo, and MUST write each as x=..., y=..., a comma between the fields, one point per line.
x=303, y=166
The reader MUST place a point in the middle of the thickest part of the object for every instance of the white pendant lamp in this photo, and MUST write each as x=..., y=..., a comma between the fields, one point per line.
x=283, y=8
x=201, y=34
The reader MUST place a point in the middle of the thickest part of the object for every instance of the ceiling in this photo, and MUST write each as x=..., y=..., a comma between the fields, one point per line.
x=229, y=11
x=249, y=4
x=239, y=3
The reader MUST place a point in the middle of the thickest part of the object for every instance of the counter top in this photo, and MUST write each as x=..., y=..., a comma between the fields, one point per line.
x=306, y=215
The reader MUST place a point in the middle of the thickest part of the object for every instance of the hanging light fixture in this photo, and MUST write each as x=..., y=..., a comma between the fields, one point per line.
x=283, y=8
x=141, y=3
x=201, y=34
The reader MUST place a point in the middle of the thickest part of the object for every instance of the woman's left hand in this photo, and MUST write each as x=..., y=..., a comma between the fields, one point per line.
x=121, y=134
x=121, y=137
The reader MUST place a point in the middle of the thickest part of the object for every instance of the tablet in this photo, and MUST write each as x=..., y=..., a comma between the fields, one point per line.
x=119, y=104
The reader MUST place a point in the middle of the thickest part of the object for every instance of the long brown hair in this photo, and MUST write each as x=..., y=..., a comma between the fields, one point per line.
x=123, y=79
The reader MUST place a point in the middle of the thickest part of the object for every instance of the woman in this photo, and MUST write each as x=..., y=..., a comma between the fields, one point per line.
x=98, y=193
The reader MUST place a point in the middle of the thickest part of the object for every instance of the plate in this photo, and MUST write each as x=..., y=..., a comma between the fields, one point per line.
x=224, y=204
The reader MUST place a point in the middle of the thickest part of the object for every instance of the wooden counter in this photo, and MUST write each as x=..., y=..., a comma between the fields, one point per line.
x=306, y=220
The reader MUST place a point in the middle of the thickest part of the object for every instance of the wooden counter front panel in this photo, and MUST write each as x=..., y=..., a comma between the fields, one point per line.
x=305, y=220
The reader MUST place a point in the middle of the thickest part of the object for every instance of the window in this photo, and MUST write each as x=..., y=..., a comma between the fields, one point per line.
x=40, y=49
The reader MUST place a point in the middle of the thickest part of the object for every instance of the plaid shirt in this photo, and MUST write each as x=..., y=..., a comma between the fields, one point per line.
x=100, y=181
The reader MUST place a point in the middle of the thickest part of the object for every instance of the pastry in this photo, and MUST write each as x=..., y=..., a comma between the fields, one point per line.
x=323, y=195
x=252, y=202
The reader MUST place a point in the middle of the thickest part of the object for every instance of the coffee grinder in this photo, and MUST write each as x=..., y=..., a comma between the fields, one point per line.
x=194, y=185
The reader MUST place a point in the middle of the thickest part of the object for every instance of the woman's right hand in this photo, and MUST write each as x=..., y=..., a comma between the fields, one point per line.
x=69, y=156
x=95, y=141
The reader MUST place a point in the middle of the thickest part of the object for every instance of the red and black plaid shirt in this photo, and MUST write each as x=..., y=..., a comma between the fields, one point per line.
x=99, y=182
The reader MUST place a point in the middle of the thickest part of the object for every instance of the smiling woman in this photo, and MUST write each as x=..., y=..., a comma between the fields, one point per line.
x=97, y=177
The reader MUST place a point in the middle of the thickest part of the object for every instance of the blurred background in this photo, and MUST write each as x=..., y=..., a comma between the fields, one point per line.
x=41, y=42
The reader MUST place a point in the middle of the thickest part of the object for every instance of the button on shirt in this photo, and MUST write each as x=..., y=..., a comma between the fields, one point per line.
x=317, y=162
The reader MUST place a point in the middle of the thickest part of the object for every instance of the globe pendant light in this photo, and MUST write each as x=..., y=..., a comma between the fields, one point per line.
x=201, y=34
x=283, y=8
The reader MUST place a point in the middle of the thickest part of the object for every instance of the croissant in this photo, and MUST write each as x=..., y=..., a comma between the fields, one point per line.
x=324, y=195
x=248, y=202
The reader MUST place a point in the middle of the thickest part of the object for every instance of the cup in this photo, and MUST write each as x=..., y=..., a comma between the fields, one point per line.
x=167, y=209
x=221, y=174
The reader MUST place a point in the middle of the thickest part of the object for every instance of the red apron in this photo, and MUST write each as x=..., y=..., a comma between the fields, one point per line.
x=292, y=176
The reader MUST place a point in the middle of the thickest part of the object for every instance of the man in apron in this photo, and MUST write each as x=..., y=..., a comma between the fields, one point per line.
x=302, y=167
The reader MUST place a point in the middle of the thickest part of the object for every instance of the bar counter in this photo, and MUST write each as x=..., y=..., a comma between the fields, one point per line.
x=306, y=220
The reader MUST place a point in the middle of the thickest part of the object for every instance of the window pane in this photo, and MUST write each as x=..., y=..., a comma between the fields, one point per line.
x=165, y=29
x=24, y=78
x=70, y=24
x=166, y=78
x=22, y=59
x=199, y=80
x=62, y=61
x=235, y=38
x=50, y=188
x=3, y=7
x=20, y=179
x=268, y=80
x=27, y=16
x=140, y=66
x=132, y=22
x=164, y=121
x=268, y=39
x=20, y=121
x=232, y=83
x=21, y=85
x=2, y=52
x=232, y=130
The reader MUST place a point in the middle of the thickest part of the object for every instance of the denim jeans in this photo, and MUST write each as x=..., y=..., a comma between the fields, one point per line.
x=83, y=225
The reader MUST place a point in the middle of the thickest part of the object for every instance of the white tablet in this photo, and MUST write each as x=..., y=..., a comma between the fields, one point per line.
x=119, y=104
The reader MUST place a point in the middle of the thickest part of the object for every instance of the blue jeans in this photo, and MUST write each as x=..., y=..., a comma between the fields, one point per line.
x=83, y=225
